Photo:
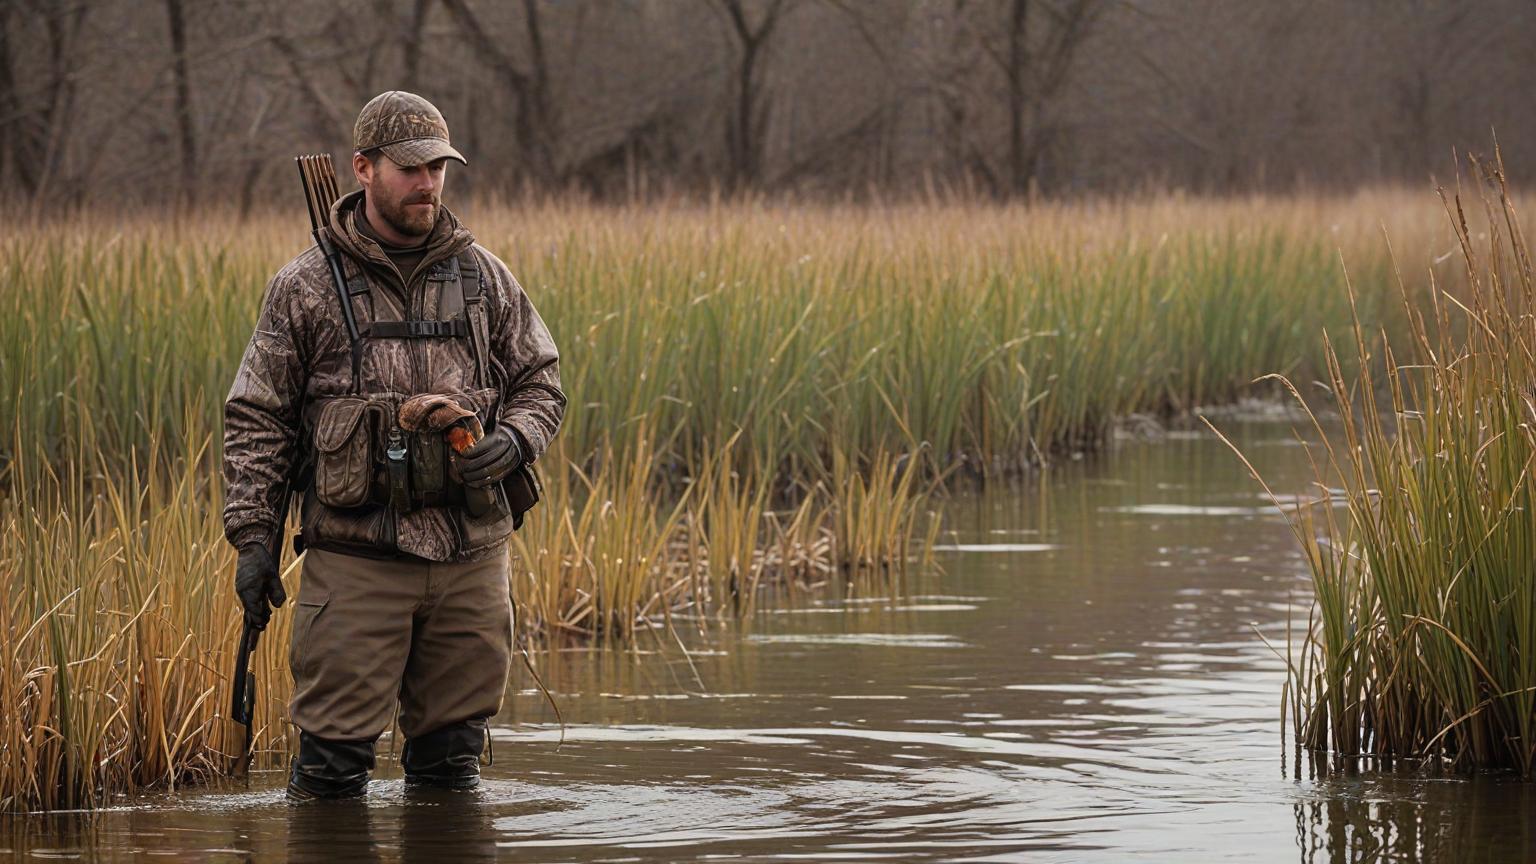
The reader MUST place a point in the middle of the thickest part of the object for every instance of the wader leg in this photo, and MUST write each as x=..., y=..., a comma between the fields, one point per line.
x=457, y=670
x=329, y=769
x=448, y=757
x=351, y=638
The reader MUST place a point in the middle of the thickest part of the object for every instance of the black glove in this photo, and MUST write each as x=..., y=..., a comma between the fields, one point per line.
x=256, y=581
x=492, y=458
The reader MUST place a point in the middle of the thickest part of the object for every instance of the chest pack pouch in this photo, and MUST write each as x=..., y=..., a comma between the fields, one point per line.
x=364, y=458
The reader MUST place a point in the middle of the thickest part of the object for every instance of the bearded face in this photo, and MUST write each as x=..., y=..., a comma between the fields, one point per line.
x=405, y=200
x=413, y=215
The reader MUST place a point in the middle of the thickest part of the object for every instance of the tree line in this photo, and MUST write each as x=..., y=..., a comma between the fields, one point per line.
x=152, y=102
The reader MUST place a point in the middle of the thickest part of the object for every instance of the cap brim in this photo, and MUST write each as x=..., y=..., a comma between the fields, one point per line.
x=418, y=151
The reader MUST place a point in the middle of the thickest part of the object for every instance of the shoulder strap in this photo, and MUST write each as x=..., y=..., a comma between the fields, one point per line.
x=346, y=289
x=469, y=274
x=472, y=288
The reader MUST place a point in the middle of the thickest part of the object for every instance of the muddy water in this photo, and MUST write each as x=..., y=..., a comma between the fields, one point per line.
x=1085, y=681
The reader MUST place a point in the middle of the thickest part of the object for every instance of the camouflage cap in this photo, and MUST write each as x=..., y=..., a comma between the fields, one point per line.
x=409, y=129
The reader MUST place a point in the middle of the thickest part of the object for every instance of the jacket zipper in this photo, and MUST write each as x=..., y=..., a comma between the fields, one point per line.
x=415, y=310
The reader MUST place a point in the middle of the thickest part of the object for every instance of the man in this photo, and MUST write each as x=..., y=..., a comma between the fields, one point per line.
x=404, y=591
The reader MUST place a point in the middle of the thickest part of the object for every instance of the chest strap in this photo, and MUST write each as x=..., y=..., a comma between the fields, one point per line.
x=469, y=323
x=458, y=327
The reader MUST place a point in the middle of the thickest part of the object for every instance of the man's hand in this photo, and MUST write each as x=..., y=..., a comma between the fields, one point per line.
x=491, y=458
x=256, y=582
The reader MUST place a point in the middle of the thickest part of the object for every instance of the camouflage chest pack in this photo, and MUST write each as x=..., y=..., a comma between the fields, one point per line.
x=362, y=470
x=365, y=469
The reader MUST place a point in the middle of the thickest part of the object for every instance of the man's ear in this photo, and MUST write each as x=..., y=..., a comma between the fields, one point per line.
x=362, y=169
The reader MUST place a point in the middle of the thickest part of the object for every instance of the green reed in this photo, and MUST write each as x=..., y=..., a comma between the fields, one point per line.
x=987, y=345
x=758, y=395
x=1423, y=638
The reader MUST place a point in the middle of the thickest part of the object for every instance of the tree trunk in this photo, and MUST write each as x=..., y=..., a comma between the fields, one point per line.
x=55, y=120
x=186, y=137
x=18, y=149
x=749, y=114
x=413, y=43
x=534, y=126
x=1018, y=66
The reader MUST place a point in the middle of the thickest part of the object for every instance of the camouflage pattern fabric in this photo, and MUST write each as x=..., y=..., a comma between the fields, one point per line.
x=299, y=356
x=409, y=129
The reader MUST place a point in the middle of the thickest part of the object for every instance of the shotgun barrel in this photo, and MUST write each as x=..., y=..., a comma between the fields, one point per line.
x=244, y=701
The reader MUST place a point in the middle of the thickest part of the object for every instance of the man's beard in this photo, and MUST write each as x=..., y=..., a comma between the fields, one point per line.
x=411, y=222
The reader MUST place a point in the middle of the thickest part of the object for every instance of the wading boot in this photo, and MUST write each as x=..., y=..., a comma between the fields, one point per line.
x=448, y=757
x=329, y=769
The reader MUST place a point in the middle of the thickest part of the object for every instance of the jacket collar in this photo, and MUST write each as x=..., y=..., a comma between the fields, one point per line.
x=449, y=237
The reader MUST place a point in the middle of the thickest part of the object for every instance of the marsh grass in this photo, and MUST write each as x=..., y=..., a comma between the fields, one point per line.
x=1421, y=542
x=761, y=396
x=116, y=651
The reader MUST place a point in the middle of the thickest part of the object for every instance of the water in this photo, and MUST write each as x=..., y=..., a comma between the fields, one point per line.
x=1088, y=680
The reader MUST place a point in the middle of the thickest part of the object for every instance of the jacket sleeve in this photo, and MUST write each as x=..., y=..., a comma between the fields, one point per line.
x=261, y=420
x=533, y=403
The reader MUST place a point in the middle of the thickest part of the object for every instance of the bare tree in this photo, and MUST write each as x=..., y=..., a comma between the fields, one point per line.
x=536, y=121
x=843, y=104
x=187, y=140
x=1036, y=71
x=323, y=115
x=42, y=112
x=414, y=40
x=1435, y=43
x=630, y=98
x=748, y=117
x=1033, y=46
x=17, y=148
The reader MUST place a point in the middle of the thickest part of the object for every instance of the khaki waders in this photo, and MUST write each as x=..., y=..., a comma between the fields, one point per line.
x=366, y=632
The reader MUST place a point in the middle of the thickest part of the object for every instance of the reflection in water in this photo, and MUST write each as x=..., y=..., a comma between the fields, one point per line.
x=1009, y=548
x=325, y=831
x=1084, y=681
x=56, y=835
x=889, y=640
x=1412, y=817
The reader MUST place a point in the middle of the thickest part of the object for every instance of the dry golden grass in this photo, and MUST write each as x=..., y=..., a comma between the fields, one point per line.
x=760, y=394
x=1423, y=640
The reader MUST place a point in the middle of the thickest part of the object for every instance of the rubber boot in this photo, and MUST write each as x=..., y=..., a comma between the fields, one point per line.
x=329, y=769
x=448, y=757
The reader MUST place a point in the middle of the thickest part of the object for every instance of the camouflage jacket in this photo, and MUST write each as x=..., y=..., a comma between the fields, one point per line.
x=300, y=356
